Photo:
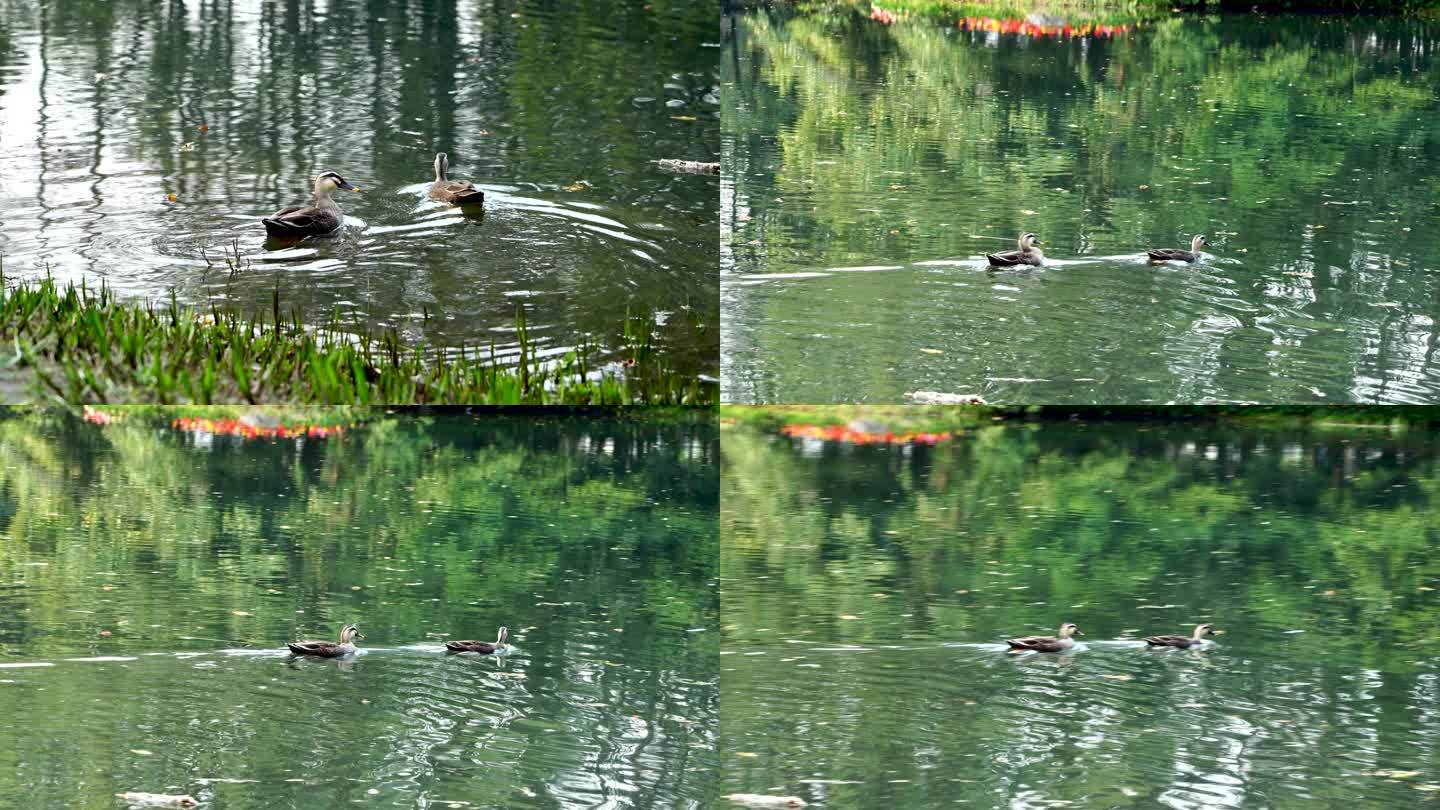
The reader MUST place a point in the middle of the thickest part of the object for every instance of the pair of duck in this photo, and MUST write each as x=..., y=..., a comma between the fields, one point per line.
x=325, y=217
x=348, y=634
x=1065, y=640
x=1027, y=253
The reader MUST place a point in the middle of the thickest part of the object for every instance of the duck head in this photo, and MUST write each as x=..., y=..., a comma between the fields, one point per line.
x=501, y=636
x=1028, y=240
x=1067, y=630
x=349, y=633
x=1203, y=630
x=328, y=182
x=442, y=166
x=1198, y=242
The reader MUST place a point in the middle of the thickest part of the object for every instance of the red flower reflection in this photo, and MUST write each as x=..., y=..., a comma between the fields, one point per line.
x=249, y=429
x=1024, y=27
x=844, y=433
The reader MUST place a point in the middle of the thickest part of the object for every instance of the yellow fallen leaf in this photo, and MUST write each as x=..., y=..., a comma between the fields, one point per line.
x=847, y=617
x=932, y=351
x=170, y=197
x=1027, y=212
x=683, y=117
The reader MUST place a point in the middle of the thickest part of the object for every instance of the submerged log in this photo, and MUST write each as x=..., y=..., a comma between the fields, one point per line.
x=760, y=800
x=944, y=398
x=688, y=166
x=139, y=799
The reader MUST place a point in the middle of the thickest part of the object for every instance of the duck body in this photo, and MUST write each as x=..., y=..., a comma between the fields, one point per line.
x=1181, y=642
x=1026, y=253
x=455, y=192
x=482, y=647
x=328, y=649
x=1178, y=255
x=324, y=217
x=1055, y=644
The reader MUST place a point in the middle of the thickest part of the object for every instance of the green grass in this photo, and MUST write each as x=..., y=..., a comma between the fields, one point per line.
x=86, y=346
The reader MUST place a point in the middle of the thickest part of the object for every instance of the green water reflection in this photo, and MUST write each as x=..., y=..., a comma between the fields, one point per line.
x=866, y=592
x=180, y=562
x=888, y=159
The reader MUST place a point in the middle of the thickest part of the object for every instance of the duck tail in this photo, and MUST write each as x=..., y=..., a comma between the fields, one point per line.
x=279, y=227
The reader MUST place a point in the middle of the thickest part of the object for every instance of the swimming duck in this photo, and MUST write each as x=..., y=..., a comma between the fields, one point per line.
x=321, y=218
x=1047, y=643
x=455, y=192
x=483, y=647
x=328, y=649
x=1201, y=631
x=1178, y=255
x=1027, y=253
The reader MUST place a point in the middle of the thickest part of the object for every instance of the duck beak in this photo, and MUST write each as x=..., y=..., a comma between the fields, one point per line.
x=346, y=185
x=359, y=634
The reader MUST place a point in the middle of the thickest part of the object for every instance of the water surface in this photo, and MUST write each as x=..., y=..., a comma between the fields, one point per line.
x=868, y=167
x=554, y=109
x=867, y=592
x=151, y=571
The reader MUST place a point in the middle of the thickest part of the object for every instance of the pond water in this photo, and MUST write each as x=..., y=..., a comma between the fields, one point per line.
x=869, y=166
x=151, y=572
x=867, y=592
x=554, y=109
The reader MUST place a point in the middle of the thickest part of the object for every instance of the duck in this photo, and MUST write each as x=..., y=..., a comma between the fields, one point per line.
x=329, y=649
x=321, y=218
x=455, y=192
x=1198, y=639
x=482, y=647
x=1178, y=255
x=1026, y=254
x=1047, y=643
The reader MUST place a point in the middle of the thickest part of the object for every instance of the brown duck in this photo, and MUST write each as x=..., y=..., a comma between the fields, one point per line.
x=455, y=192
x=1201, y=631
x=1178, y=255
x=329, y=649
x=1027, y=253
x=322, y=218
x=1059, y=643
x=483, y=647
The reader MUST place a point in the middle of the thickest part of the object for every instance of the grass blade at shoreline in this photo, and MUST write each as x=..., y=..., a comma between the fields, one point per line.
x=89, y=346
